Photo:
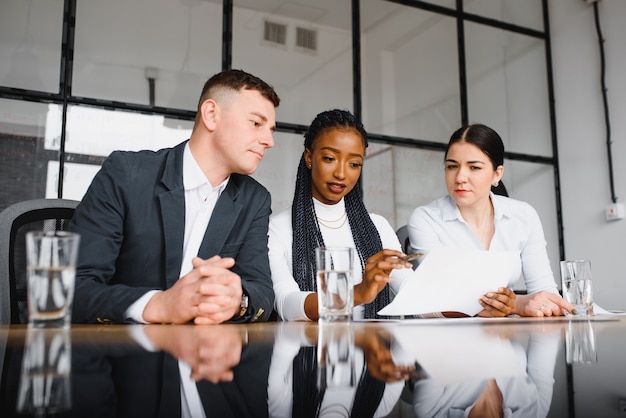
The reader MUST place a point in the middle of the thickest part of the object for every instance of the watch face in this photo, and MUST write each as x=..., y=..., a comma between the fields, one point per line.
x=244, y=305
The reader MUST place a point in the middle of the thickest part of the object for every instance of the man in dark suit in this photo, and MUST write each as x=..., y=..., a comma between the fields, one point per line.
x=180, y=234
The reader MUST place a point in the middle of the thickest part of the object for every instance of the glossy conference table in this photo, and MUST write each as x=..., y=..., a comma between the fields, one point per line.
x=431, y=367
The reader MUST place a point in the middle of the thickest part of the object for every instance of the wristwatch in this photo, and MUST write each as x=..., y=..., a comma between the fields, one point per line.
x=243, y=306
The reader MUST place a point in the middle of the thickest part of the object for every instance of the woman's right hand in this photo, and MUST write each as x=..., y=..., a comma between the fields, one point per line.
x=379, y=358
x=376, y=275
x=542, y=304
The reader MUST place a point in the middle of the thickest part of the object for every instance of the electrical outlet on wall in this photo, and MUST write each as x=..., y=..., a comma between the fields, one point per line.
x=614, y=212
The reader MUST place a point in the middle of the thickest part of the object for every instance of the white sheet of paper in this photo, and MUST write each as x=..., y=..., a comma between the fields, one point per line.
x=460, y=353
x=453, y=280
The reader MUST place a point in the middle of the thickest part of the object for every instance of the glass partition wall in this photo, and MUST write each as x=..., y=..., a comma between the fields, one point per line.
x=81, y=78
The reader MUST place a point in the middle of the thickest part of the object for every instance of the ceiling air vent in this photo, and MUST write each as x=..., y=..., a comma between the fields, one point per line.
x=306, y=39
x=275, y=33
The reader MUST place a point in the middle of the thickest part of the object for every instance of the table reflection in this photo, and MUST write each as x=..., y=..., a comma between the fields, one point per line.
x=427, y=368
x=209, y=353
x=45, y=377
x=580, y=343
x=335, y=357
x=495, y=391
x=334, y=370
x=170, y=371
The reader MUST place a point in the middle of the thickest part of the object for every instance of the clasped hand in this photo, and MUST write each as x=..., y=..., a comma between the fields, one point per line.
x=208, y=294
x=210, y=352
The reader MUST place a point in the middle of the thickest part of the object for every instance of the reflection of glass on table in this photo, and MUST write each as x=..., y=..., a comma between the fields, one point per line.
x=45, y=384
x=335, y=356
x=580, y=343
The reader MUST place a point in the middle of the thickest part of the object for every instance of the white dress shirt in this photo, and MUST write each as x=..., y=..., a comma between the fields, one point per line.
x=517, y=228
x=289, y=298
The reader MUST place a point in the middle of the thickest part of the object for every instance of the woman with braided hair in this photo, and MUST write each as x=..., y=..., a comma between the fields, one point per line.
x=328, y=210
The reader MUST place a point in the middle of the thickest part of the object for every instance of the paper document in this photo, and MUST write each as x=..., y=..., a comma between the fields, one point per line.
x=453, y=280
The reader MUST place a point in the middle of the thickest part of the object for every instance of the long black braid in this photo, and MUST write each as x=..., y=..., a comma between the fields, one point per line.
x=306, y=231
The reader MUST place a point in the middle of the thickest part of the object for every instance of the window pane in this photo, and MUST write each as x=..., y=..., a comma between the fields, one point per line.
x=178, y=44
x=534, y=183
x=92, y=134
x=92, y=131
x=398, y=179
x=411, y=79
x=527, y=13
x=508, y=88
x=25, y=154
x=30, y=44
x=310, y=76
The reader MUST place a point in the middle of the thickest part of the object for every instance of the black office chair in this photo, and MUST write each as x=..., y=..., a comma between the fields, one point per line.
x=403, y=237
x=15, y=221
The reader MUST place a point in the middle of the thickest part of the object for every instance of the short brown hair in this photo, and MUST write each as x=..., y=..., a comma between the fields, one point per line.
x=237, y=80
x=234, y=80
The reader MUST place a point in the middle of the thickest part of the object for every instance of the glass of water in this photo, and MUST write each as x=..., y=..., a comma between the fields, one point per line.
x=51, y=268
x=335, y=287
x=577, y=285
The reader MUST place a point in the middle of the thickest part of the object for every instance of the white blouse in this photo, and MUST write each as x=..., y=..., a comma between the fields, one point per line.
x=517, y=228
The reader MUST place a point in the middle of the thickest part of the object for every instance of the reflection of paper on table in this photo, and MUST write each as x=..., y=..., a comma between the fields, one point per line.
x=453, y=280
x=460, y=353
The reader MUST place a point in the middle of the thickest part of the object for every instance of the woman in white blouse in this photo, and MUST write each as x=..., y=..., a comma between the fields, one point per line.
x=328, y=210
x=472, y=216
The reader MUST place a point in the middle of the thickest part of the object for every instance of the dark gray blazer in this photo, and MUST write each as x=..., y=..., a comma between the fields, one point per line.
x=132, y=225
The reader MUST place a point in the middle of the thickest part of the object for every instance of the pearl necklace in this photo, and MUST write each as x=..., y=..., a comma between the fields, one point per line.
x=328, y=223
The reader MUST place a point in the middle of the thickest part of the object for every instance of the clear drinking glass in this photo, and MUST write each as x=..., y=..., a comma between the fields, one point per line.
x=577, y=285
x=51, y=268
x=335, y=287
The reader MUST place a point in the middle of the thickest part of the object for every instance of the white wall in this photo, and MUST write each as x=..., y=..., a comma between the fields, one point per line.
x=581, y=133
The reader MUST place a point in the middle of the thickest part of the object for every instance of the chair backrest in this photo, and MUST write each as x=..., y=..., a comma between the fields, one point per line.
x=403, y=237
x=15, y=221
